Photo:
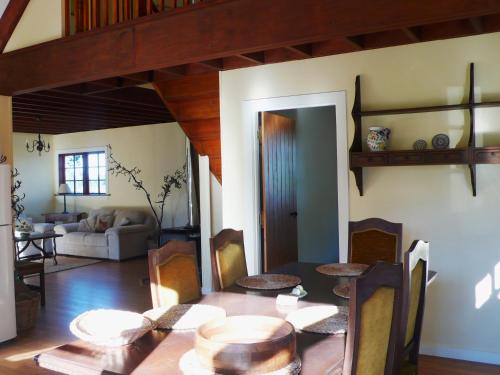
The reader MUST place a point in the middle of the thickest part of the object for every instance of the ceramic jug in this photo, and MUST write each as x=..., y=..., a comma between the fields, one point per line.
x=378, y=138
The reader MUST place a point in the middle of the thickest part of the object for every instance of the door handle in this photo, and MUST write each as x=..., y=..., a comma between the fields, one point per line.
x=294, y=213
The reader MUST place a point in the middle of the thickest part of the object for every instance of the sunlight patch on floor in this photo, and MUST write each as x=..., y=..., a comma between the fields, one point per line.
x=28, y=355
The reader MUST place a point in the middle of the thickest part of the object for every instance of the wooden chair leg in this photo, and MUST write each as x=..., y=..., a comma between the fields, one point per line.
x=42, y=288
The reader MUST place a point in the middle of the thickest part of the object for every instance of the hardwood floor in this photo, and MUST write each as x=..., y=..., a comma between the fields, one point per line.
x=70, y=293
x=118, y=285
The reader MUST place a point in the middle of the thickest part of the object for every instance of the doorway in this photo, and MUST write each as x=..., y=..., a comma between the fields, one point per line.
x=251, y=206
x=298, y=186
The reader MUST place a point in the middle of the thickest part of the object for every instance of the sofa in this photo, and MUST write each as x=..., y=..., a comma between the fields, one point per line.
x=126, y=233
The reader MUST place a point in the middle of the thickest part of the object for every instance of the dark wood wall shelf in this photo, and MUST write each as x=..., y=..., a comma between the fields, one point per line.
x=471, y=155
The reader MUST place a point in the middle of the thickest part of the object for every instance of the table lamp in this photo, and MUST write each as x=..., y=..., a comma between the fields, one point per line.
x=64, y=190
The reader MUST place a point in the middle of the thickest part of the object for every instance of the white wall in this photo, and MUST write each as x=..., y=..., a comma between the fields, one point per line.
x=155, y=149
x=433, y=203
x=40, y=22
x=6, y=127
x=215, y=205
x=36, y=174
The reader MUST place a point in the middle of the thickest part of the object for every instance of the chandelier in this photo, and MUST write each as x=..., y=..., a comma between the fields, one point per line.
x=38, y=145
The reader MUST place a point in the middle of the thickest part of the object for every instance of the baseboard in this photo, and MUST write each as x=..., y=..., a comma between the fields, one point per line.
x=462, y=354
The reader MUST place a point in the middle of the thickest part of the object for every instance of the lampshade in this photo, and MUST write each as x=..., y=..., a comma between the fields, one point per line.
x=64, y=189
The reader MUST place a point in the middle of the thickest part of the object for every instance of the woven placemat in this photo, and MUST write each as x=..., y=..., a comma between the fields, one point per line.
x=331, y=320
x=269, y=281
x=184, y=317
x=342, y=269
x=342, y=290
x=190, y=365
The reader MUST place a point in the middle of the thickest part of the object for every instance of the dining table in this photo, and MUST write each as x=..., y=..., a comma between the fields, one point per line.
x=159, y=351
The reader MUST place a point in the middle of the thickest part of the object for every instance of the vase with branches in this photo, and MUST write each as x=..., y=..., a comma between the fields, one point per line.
x=16, y=197
x=157, y=205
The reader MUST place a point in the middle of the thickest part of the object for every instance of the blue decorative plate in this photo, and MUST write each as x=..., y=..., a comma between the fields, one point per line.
x=440, y=142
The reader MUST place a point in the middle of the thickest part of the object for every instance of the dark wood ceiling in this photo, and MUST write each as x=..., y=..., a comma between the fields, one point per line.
x=118, y=102
x=85, y=107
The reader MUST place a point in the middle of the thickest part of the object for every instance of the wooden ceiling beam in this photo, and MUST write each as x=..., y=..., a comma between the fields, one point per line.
x=9, y=20
x=413, y=34
x=151, y=43
x=101, y=115
x=477, y=24
x=304, y=50
x=255, y=57
x=356, y=41
x=215, y=64
x=90, y=102
x=93, y=109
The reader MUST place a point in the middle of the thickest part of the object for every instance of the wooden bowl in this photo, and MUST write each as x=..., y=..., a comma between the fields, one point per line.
x=248, y=344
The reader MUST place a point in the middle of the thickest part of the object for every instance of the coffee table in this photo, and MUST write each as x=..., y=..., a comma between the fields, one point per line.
x=31, y=240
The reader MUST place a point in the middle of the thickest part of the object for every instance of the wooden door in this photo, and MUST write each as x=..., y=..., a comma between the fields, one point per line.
x=279, y=206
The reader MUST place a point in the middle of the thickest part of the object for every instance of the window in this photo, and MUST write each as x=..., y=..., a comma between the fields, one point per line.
x=84, y=172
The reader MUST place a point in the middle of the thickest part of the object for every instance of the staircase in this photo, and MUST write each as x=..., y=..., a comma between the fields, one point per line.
x=194, y=103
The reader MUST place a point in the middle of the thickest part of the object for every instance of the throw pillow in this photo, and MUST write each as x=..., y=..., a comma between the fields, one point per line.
x=124, y=222
x=103, y=223
x=87, y=225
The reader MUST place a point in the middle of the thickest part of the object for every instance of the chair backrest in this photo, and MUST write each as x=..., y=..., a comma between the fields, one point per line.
x=173, y=271
x=227, y=253
x=374, y=321
x=414, y=290
x=373, y=240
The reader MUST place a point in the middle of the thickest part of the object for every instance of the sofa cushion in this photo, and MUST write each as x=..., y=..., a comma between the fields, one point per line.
x=86, y=239
x=124, y=222
x=101, y=211
x=134, y=216
x=87, y=225
x=103, y=223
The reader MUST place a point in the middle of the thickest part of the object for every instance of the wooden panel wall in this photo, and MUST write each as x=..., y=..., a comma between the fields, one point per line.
x=194, y=103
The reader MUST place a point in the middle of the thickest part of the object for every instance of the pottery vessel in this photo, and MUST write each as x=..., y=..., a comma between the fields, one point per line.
x=378, y=138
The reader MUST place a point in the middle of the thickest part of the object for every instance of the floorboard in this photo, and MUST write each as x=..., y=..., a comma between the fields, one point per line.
x=120, y=285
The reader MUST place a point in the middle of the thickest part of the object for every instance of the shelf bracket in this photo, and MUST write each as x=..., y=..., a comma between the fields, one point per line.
x=472, y=129
x=357, y=145
x=358, y=175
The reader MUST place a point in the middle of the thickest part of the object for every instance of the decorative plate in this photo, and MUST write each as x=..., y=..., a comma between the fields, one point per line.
x=190, y=365
x=110, y=327
x=440, y=142
x=342, y=290
x=269, y=281
x=184, y=317
x=420, y=145
x=342, y=269
x=330, y=320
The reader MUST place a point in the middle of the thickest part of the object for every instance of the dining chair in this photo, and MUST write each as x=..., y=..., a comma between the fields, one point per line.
x=416, y=261
x=375, y=239
x=375, y=307
x=227, y=253
x=173, y=272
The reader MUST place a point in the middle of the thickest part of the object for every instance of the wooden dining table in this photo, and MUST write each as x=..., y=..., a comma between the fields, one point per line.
x=159, y=352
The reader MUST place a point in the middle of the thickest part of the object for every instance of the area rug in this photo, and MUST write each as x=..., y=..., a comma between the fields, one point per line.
x=67, y=263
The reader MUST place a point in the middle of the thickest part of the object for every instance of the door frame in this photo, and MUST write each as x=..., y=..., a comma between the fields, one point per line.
x=252, y=204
